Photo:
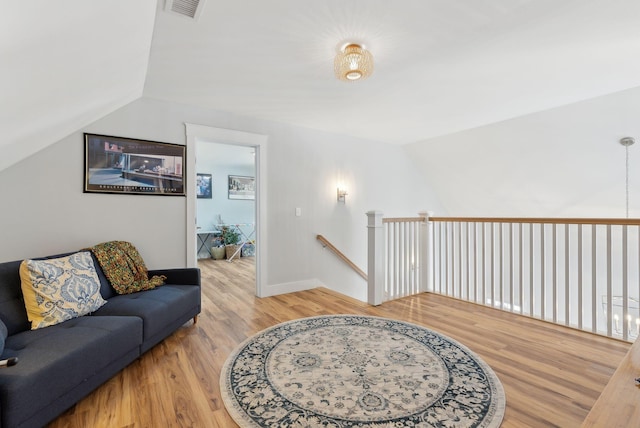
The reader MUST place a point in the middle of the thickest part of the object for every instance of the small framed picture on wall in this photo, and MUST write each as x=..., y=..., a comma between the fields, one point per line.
x=242, y=187
x=203, y=185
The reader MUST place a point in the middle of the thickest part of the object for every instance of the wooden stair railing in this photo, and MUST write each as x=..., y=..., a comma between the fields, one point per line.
x=329, y=245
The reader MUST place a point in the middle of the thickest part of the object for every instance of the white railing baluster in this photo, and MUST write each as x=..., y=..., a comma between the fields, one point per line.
x=543, y=281
x=413, y=260
x=626, y=317
x=521, y=268
x=461, y=264
x=446, y=260
x=501, y=264
x=406, y=281
x=441, y=246
x=454, y=279
x=493, y=277
x=399, y=263
x=402, y=254
x=439, y=252
x=567, y=314
x=402, y=258
x=531, y=273
x=387, y=257
x=579, y=255
x=609, y=279
x=454, y=273
x=387, y=261
x=396, y=269
x=443, y=267
x=468, y=262
x=453, y=259
x=417, y=259
x=390, y=259
x=484, y=270
x=432, y=267
x=475, y=261
x=511, y=270
x=408, y=259
x=399, y=260
x=554, y=270
x=405, y=259
x=594, y=283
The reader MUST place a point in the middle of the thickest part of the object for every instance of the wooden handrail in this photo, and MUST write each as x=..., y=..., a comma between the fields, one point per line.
x=611, y=221
x=326, y=243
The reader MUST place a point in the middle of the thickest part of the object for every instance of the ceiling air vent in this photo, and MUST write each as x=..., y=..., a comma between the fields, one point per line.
x=188, y=8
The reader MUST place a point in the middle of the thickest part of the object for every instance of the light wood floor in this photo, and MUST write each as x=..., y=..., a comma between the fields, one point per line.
x=551, y=375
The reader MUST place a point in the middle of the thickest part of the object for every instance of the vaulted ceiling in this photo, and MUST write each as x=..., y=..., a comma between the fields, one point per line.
x=440, y=66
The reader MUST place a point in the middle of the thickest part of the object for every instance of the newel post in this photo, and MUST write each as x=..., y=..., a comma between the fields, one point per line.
x=425, y=252
x=375, y=258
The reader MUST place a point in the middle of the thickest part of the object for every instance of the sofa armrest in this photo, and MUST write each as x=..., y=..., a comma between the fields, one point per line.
x=179, y=276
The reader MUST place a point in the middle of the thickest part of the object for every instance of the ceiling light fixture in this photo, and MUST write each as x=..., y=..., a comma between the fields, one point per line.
x=353, y=63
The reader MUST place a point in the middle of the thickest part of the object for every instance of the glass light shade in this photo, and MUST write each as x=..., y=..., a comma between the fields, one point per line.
x=353, y=63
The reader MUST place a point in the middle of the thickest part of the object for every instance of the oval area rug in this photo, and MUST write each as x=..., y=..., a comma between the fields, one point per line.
x=358, y=371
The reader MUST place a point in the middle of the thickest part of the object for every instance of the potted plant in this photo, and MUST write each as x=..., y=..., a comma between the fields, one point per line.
x=217, y=249
x=231, y=239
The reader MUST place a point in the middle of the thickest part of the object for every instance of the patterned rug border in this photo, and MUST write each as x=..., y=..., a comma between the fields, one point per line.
x=239, y=416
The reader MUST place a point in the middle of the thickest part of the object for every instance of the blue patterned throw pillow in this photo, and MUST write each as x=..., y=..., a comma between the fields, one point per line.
x=56, y=290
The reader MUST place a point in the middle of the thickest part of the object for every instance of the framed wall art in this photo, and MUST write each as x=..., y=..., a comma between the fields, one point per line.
x=131, y=166
x=242, y=187
x=203, y=185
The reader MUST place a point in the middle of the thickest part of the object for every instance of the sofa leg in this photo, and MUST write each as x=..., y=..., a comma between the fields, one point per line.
x=195, y=319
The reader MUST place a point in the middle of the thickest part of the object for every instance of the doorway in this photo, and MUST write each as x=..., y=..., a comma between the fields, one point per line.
x=225, y=204
x=225, y=140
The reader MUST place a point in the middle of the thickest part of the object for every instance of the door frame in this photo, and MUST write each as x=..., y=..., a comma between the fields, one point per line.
x=202, y=133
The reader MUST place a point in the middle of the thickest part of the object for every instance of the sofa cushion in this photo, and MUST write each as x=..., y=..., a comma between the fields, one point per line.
x=106, y=290
x=12, y=310
x=56, y=290
x=3, y=335
x=57, y=359
x=159, y=307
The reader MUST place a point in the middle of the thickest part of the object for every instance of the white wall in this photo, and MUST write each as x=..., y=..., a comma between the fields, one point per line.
x=45, y=212
x=222, y=160
x=564, y=162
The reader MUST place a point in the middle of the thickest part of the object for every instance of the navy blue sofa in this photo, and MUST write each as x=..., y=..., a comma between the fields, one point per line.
x=60, y=364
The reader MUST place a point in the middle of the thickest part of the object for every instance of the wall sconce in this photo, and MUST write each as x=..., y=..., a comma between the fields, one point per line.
x=342, y=195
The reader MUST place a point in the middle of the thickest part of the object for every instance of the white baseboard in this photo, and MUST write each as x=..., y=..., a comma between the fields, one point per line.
x=290, y=287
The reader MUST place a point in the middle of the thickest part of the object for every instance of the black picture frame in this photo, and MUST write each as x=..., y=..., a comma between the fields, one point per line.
x=204, y=183
x=132, y=166
x=242, y=187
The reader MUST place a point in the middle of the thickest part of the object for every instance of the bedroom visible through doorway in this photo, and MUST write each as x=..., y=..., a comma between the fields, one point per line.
x=226, y=204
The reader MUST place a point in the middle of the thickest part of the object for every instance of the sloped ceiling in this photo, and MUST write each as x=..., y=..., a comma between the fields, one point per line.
x=66, y=64
x=441, y=66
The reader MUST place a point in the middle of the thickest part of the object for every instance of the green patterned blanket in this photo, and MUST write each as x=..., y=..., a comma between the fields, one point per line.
x=124, y=268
